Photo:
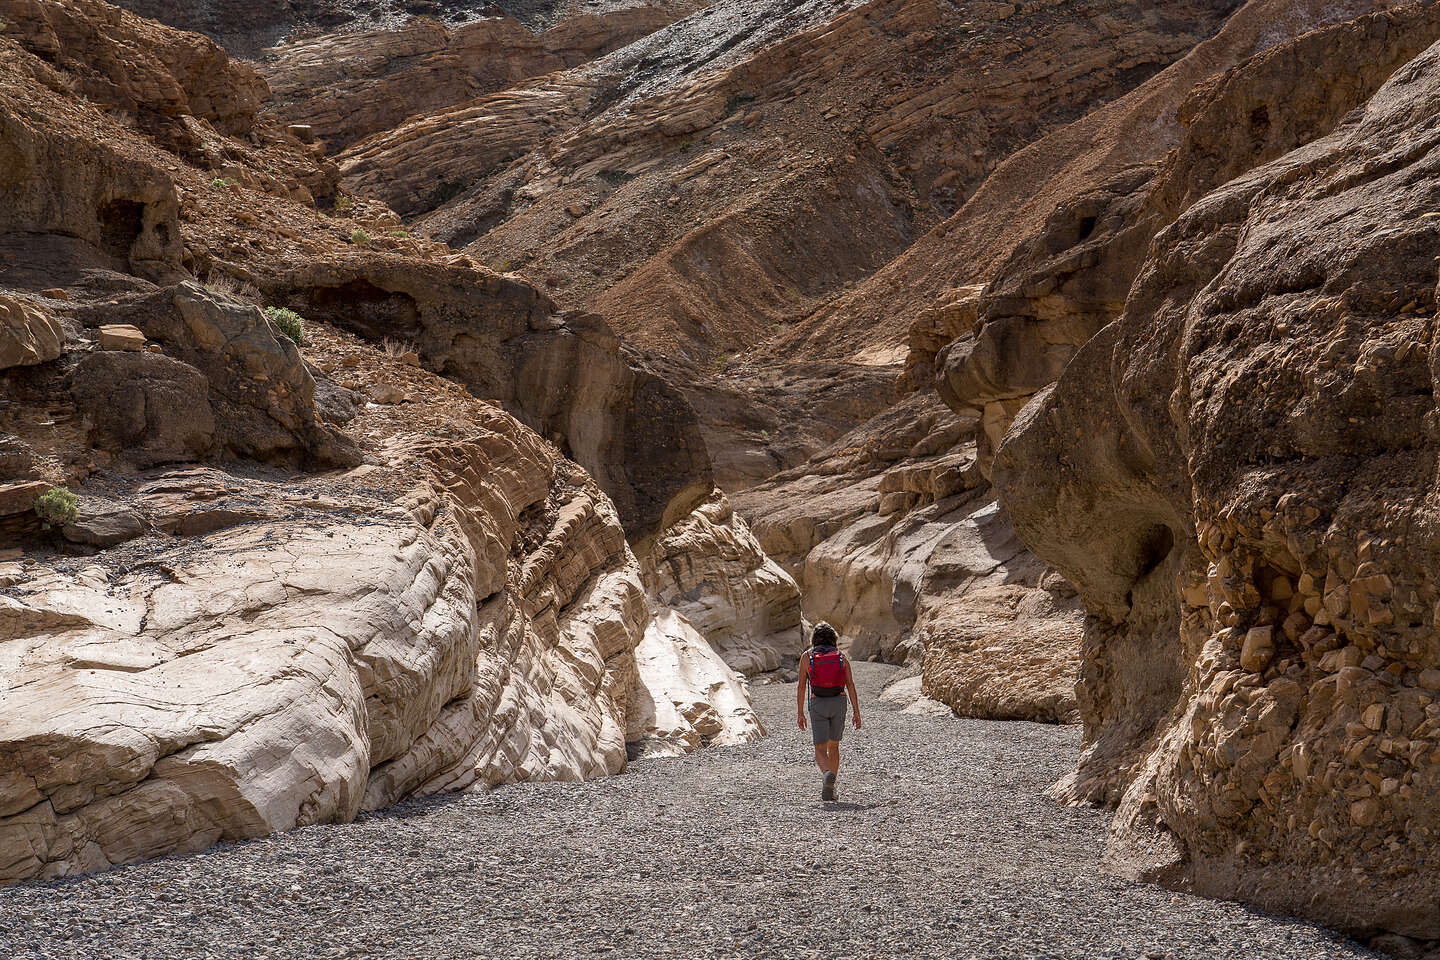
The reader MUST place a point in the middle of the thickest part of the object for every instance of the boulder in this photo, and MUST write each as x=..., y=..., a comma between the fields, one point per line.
x=28, y=334
x=103, y=522
x=17, y=498
x=145, y=408
x=262, y=394
x=121, y=336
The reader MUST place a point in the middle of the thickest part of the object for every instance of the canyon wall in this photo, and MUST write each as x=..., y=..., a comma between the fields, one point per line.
x=1236, y=476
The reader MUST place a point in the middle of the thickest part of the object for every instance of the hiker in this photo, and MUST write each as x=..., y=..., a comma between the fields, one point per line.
x=827, y=672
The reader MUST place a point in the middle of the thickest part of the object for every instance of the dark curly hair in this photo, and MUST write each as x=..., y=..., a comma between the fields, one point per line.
x=824, y=635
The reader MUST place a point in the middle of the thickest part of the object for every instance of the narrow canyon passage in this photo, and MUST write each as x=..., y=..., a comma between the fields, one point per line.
x=944, y=845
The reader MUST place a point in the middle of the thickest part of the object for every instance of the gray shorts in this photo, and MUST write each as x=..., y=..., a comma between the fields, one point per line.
x=827, y=718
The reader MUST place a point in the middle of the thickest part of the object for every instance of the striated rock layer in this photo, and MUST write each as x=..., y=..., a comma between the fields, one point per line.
x=1238, y=476
x=710, y=568
x=242, y=655
x=686, y=696
x=348, y=86
x=303, y=670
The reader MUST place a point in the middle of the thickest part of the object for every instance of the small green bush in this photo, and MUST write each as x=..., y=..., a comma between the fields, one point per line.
x=290, y=323
x=344, y=202
x=685, y=145
x=57, y=507
x=400, y=234
x=222, y=183
x=359, y=237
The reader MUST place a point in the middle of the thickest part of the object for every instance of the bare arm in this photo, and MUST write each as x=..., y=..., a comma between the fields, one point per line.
x=800, y=691
x=854, y=695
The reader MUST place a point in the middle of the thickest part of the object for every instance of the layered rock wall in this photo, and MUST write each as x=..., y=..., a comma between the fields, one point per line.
x=1058, y=289
x=348, y=86
x=710, y=569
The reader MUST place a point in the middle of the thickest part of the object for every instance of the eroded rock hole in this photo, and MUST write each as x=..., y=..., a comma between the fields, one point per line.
x=121, y=222
x=1259, y=125
x=1084, y=229
x=364, y=309
x=1155, y=547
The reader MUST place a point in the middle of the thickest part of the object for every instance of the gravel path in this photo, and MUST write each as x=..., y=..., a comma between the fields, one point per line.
x=944, y=846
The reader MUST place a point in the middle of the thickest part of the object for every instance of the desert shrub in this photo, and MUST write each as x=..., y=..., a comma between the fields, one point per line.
x=359, y=237
x=221, y=284
x=290, y=323
x=343, y=203
x=395, y=349
x=57, y=507
x=222, y=183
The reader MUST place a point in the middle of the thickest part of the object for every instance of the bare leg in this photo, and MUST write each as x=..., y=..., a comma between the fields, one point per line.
x=822, y=757
x=834, y=756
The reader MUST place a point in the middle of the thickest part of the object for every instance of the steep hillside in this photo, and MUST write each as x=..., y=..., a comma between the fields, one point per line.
x=733, y=185
x=247, y=26
x=1079, y=170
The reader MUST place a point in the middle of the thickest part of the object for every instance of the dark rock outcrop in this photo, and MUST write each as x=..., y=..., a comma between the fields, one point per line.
x=563, y=374
x=147, y=408
x=262, y=395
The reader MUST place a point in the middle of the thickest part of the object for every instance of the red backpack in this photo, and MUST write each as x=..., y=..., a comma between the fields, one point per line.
x=827, y=671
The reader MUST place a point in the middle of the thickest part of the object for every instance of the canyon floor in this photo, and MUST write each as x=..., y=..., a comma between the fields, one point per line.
x=944, y=844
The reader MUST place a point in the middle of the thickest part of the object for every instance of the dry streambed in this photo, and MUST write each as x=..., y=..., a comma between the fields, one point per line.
x=944, y=845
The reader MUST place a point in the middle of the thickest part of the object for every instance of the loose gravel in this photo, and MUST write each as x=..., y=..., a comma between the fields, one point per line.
x=944, y=845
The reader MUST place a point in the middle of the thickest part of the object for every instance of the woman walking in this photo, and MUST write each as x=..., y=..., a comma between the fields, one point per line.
x=826, y=672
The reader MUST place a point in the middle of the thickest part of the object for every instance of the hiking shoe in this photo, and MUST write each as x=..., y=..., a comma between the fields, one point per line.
x=828, y=791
